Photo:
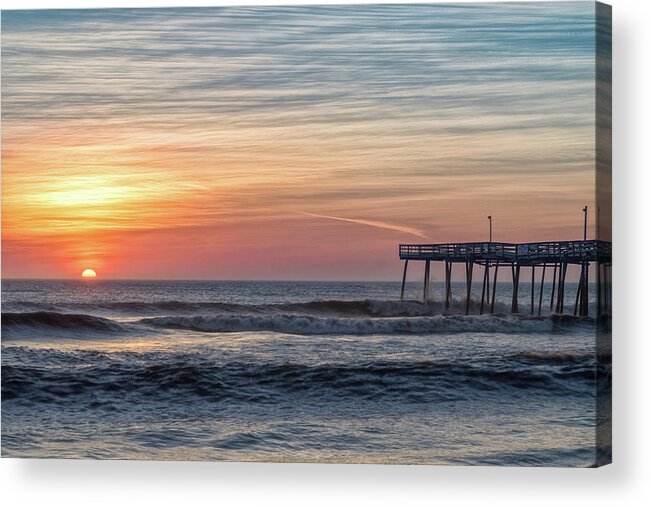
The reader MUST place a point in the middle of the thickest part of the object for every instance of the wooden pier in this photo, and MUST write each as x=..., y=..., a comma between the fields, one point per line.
x=551, y=257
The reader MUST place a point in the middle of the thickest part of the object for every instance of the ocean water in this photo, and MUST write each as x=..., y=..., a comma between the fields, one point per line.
x=291, y=371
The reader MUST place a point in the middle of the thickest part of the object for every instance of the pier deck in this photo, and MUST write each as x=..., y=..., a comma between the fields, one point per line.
x=556, y=255
x=573, y=252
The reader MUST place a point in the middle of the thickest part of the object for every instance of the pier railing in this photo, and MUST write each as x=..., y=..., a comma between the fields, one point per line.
x=462, y=251
x=556, y=255
x=548, y=251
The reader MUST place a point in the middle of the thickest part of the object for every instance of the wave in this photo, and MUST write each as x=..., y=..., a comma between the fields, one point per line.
x=31, y=323
x=341, y=308
x=311, y=325
x=404, y=381
x=555, y=358
x=18, y=325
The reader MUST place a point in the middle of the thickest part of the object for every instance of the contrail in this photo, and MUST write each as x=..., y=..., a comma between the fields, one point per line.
x=373, y=223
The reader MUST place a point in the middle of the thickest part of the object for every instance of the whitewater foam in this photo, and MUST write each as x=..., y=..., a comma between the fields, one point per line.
x=29, y=324
x=312, y=325
x=341, y=308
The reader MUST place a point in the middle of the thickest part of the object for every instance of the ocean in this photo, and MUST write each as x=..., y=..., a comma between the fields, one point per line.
x=292, y=371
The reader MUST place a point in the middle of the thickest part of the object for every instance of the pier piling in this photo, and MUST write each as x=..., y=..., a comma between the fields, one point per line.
x=469, y=269
x=494, y=287
x=560, y=254
x=448, y=284
x=515, y=274
x=533, y=286
x=542, y=288
x=551, y=302
x=404, y=279
x=484, y=289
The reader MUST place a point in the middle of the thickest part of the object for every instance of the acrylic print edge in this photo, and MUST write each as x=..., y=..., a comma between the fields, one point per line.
x=603, y=187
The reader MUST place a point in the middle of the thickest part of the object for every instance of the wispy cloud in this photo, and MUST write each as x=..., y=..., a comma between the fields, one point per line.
x=373, y=223
x=122, y=122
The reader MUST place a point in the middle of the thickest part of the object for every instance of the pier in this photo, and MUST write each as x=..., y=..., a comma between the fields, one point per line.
x=550, y=258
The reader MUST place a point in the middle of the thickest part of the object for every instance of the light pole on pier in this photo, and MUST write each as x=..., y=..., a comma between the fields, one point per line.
x=490, y=229
x=585, y=223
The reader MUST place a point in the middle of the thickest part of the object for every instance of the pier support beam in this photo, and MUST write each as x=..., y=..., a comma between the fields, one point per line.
x=448, y=284
x=599, y=302
x=404, y=279
x=586, y=307
x=603, y=289
x=608, y=288
x=485, y=289
x=560, y=302
x=542, y=289
x=426, y=283
x=497, y=264
x=581, y=302
x=469, y=269
x=533, y=286
x=488, y=281
x=515, y=273
x=579, y=288
x=551, y=302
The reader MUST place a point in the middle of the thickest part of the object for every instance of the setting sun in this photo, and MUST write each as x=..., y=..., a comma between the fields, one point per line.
x=88, y=273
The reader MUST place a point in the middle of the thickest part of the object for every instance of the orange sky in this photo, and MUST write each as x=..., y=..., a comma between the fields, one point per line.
x=289, y=143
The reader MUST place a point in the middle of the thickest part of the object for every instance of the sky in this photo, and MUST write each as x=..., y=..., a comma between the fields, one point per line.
x=290, y=143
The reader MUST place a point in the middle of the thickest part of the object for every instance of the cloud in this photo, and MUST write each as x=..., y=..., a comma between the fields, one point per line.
x=167, y=120
x=374, y=223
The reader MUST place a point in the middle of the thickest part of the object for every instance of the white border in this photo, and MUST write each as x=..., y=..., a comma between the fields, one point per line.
x=65, y=482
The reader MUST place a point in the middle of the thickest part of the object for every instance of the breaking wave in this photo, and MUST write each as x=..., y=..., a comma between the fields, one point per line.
x=341, y=308
x=312, y=325
x=25, y=324
x=316, y=318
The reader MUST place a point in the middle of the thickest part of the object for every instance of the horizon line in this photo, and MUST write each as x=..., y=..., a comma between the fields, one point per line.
x=90, y=280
